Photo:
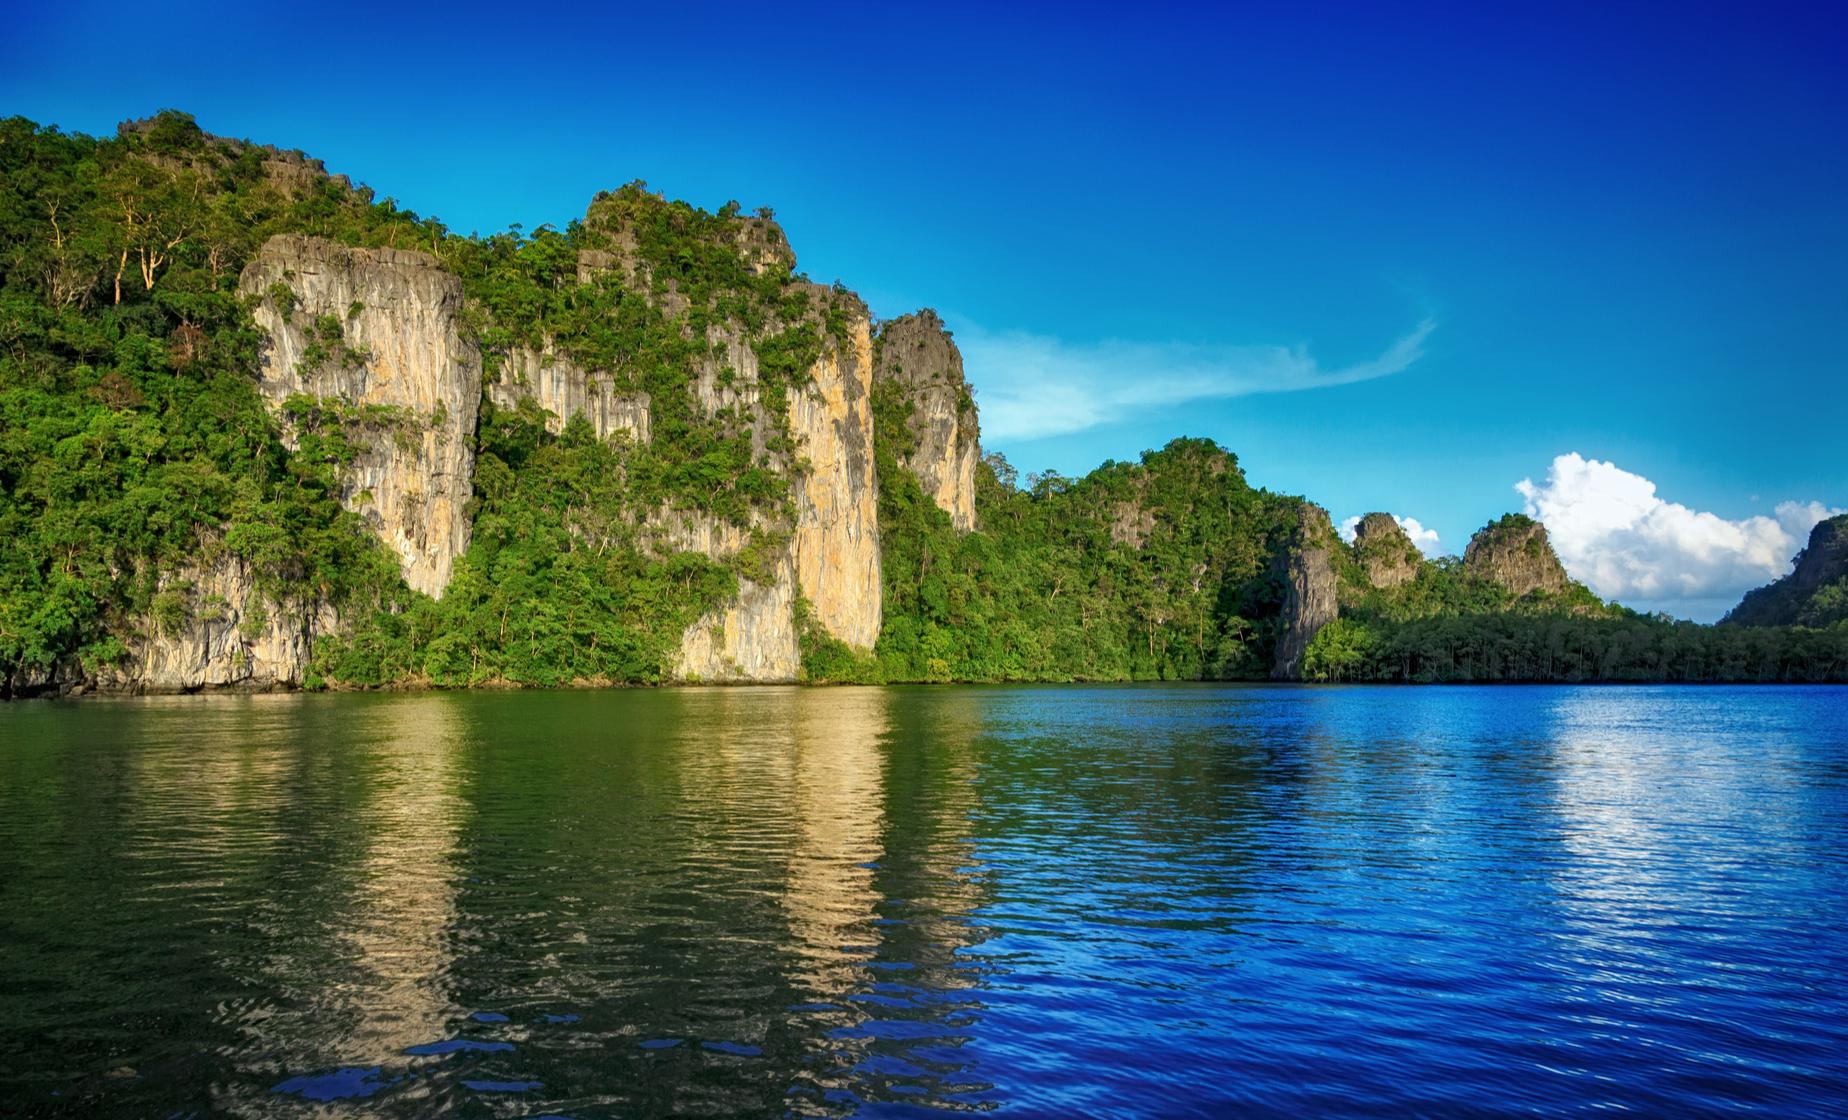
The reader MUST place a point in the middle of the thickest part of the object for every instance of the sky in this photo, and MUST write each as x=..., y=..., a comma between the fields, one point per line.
x=1447, y=261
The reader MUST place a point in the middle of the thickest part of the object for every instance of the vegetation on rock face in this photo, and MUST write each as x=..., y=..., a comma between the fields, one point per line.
x=133, y=442
x=554, y=588
x=1045, y=590
x=1491, y=617
x=1515, y=553
x=1387, y=556
x=130, y=428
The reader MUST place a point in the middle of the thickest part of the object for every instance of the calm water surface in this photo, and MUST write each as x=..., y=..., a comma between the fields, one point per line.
x=1160, y=901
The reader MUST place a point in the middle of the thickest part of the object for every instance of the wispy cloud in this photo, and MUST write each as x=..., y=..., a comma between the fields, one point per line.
x=1031, y=386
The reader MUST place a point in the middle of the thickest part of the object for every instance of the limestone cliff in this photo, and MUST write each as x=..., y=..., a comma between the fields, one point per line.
x=564, y=389
x=729, y=380
x=208, y=626
x=827, y=552
x=830, y=557
x=918, y=357
x=212, y=627
x=1310, y=592
x=373, y=335
x=1514, y=553
x=751, y=640
x=1386, y=555
x=1815, y=593
x=837, y=496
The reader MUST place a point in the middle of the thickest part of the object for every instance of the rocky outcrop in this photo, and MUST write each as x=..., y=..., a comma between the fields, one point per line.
x=817, y=429
x=764, y=247
x=1310, y=592
x=564, y=389
x=1386, y=555
x=208, y=626
x=212, y=627
x=372, y=334
x=751, y=640
x=1515, y=554
x=1131, y=523
x=1815, y=593
x=917, y=355
x=837, y=495
x=831, y=557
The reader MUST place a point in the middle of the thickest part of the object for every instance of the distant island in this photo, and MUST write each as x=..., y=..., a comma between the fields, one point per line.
x=260, y=428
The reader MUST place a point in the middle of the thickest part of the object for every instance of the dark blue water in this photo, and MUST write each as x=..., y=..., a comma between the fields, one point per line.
x=1139, y=901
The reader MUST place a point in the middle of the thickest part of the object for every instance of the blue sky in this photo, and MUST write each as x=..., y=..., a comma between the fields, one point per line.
x=1396, y=257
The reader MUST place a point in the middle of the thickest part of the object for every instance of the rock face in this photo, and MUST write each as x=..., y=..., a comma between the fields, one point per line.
x=1385, y=553
x=1514, y=552
x=837, y=498
x=374, y=332
x=751, y=640
x=729, y=379
x=831, y=557
x=917, y=355
x=1131, y=523
x=1815, y=593
x=1310, y=592
x=212, y=628
x=563, y=389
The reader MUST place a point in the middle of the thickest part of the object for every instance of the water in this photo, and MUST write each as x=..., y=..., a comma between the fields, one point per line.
x=1161, y=901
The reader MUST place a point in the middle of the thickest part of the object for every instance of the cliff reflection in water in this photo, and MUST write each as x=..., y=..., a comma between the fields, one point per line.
x=355, y=917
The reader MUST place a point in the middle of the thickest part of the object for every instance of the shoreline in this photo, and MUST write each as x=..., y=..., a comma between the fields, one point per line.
x=240, y=690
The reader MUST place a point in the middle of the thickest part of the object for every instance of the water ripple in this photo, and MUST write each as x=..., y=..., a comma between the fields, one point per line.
x=1156, y=901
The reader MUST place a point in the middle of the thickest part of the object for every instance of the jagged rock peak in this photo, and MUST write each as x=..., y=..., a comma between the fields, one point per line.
x=624, y=219
x=765, y=247
x=1386, y=554
x=371, y=340
x=176, y=136
x=918, y=357
x=1819, y=573
x=1515, y=553
x=1310, y=592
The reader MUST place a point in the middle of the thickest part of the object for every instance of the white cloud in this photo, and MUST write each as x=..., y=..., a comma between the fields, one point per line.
x=1425, y=539
x=1033, y=386
x=1615, y=534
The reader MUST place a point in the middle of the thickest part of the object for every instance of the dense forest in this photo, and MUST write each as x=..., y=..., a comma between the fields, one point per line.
x=135, y=447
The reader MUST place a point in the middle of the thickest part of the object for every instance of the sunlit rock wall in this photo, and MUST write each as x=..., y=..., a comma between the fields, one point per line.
x=377, y=330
